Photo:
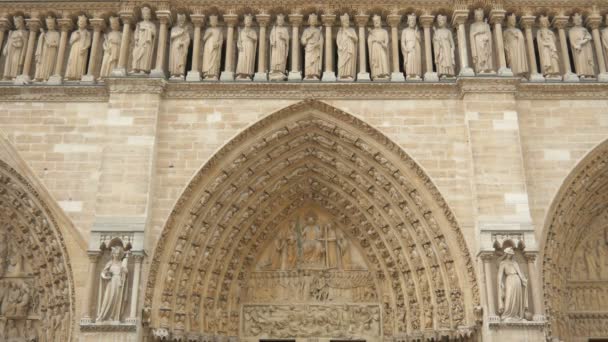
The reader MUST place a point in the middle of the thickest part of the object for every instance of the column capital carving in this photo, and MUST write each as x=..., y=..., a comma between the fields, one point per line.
x=164, y=16
x=530, y=257
x=497, y=16
x=65, y=24
x=460, y=16
x=231, y=19
x=138, y=257
x=594, y=21
x=93, y=256
x=5, y=24
x=560, y=21
x=426, y=20
x=393, y=20
x=33, y=24
x=527, y=21
x=197, y=19
x=296, y=19
x=328, y=19
x=97, y=23
x=361, y=19
x=486, y=256
x=263, y=19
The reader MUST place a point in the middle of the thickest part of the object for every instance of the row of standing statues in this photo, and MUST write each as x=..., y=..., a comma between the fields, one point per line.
x=519, y=60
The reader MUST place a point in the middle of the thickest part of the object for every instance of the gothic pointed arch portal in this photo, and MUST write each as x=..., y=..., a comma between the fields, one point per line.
x=36, y=283
x=575, y=252
x=311, y=216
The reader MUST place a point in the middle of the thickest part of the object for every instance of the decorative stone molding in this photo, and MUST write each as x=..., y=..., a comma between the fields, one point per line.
x=135, y=85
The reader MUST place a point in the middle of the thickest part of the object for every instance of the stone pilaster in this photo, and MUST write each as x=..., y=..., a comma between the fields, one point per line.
x=33, y=25
x=362, y=19
x=593, y=22
x=560, y=22
x=295, y=75
x=94, y=61
x=329, y=74
x=497, y=17
x=459, y=19
x=262, y=75
x=535, y=287
x=194, y=74
x=393, y=21
x=87, y=316
x=527, y=22
x=164, y=18
x=65, y=25
x=228, y=74
x=426, y=20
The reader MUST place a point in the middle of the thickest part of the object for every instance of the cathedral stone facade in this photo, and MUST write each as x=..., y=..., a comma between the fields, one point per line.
x=322, y=171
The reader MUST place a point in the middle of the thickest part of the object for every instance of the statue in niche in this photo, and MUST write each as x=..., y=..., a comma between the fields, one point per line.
x=481, y=44
x=512, y=288
x=582, y=51
x=14, y=49
x=313, y=250
x=443, y=45
x=346, y=40
x=112, y=297
x=411, y=49
x=312, y=40
x=80, y=41
x=279, y=48
x=212, y=50
x=547, y=50
x=144, y=38
x=378, y=50
x=111, y=48
x=246, y=45
x=46, y=50
x=515, y=47
x=180, y=42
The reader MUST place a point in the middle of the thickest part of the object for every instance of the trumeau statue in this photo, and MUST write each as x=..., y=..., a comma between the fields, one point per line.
x=346, y=40
x=113, y=286
x=443, y=45
x=46, y=50
x=312, y=40
x=111, y=48
x=515, y=47
x=481, y=44
x=378, y=50
x=512, y=288
x=279, y=48
x=144, y=41
x=80, y=41
x=14, y=49
x=212, y=50
x=180, y=42
x=547, y=50
x=582, y=51
x=411, y=49
x=246, y=44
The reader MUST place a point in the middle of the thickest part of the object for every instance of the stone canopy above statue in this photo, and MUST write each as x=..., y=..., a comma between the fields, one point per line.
x=310, y=240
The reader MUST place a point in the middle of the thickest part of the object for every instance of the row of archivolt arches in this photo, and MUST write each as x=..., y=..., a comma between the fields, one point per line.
x=310, y=210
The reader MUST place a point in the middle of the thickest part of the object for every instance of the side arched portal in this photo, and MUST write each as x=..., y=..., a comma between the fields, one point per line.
x=313, y=202
x=575, y=252
x=36, y=283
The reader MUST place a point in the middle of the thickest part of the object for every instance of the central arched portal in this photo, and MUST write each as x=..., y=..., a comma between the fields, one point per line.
x=311, y=224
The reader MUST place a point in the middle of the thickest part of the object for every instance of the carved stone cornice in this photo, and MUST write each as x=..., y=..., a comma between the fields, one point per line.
x=487, y=85
x=139, y=85
x=107, y=327
x=548, y=91
x=42, y=93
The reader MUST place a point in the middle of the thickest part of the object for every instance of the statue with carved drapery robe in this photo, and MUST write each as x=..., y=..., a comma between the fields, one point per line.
x=80, y=42
x=14, y=49
x=481, y=44
x=212, y=50
x=411, y=49
x=512, y=288
x=46, y=51
x=111, y=48
x=346, y=40
x=279, y=48
x=144, y=38
x=246, y=44
x=547, y=50
x=582, y=50
x=515, y=47
x=312, y=39
x=313, y=248
x=180, y=42
x=378, y=50
x=113, y=295
x=443, y=45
